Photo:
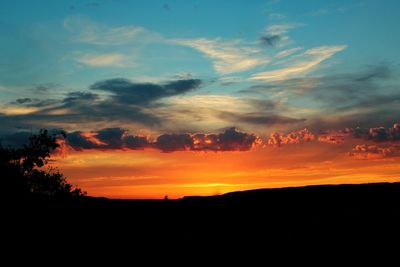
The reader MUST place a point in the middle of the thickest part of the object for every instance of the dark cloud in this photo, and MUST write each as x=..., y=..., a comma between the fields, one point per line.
x=24, y=100
x=368, y=89
x=174, y=142
x=262, y=104
x=136, y=142
x=74, y=97
x=229, y=140
x=126, y=91
x=372, y=101
x=112, y=136
x=356, y=98
x=376, y=72
x=232, y=139
x=270, y=40
x=35, y=102
x=45, y=88
x=129, y=103
x=116, y=138
x=332, y=88
x=78, y=141
x=259, y=118
x=104, y=139
x=376, y=134
x=294, y=85
x=20, y=138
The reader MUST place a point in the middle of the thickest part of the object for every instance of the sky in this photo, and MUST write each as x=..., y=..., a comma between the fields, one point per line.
x=205, y=97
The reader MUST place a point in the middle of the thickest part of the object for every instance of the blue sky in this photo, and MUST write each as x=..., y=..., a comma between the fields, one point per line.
x=275, y=51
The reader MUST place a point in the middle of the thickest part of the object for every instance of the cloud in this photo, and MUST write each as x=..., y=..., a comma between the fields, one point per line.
x=309, y=60
x=91, y=32
x=24, y=100
x=230, y=140
x=376, y=72
x=228, y=56
x=287, y=52
x=28, y=102
x=174, y=142
x=233, y=140
x=384, y=135
x=112, y=102
x=295, y=137
x=208, y=112
x=365, y=151
x=279, y=29
x=126, y=91
x=104, y=139
x=116, y=138
x=340, y=100
x=103, y=60
x=46, y=87
x=374, y=134
x=77, y=97
x=276, y=34
x=332, y=138
x=377, y=134
x=270, y=40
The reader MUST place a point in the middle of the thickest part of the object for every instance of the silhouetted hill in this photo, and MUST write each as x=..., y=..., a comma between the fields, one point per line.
x=365, y=215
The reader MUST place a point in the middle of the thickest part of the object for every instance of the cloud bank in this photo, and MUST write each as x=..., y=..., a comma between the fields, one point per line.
x=115, y=138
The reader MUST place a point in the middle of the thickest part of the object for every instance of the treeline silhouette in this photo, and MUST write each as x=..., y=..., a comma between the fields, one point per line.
x=24, y=173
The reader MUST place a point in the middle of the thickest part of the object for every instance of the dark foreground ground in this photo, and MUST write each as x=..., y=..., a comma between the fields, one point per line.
x=344, y=218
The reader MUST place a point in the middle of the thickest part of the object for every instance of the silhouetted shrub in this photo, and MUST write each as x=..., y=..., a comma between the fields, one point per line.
x=23, y=170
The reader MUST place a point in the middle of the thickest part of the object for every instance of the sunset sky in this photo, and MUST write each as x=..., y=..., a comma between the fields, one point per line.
x=205, y=97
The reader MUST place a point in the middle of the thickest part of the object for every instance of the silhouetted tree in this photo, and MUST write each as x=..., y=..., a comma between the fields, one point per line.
x=23, y=169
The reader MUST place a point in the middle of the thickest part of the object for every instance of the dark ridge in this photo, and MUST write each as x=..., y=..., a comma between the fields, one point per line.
x=311, y=218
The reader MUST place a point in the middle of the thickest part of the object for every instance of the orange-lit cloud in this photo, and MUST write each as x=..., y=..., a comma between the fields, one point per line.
x=333, y=137
x=365, y=151
x=294, y=137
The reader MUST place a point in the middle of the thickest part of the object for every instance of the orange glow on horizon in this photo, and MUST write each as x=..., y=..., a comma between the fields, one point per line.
x=152, y=174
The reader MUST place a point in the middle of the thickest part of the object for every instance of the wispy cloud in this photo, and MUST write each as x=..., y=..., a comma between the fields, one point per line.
x=287, y=52
x=103, y=60
x=278, y=33
x=228, y=56
x=307, y=62
x=280, y=29
x=91, y=32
